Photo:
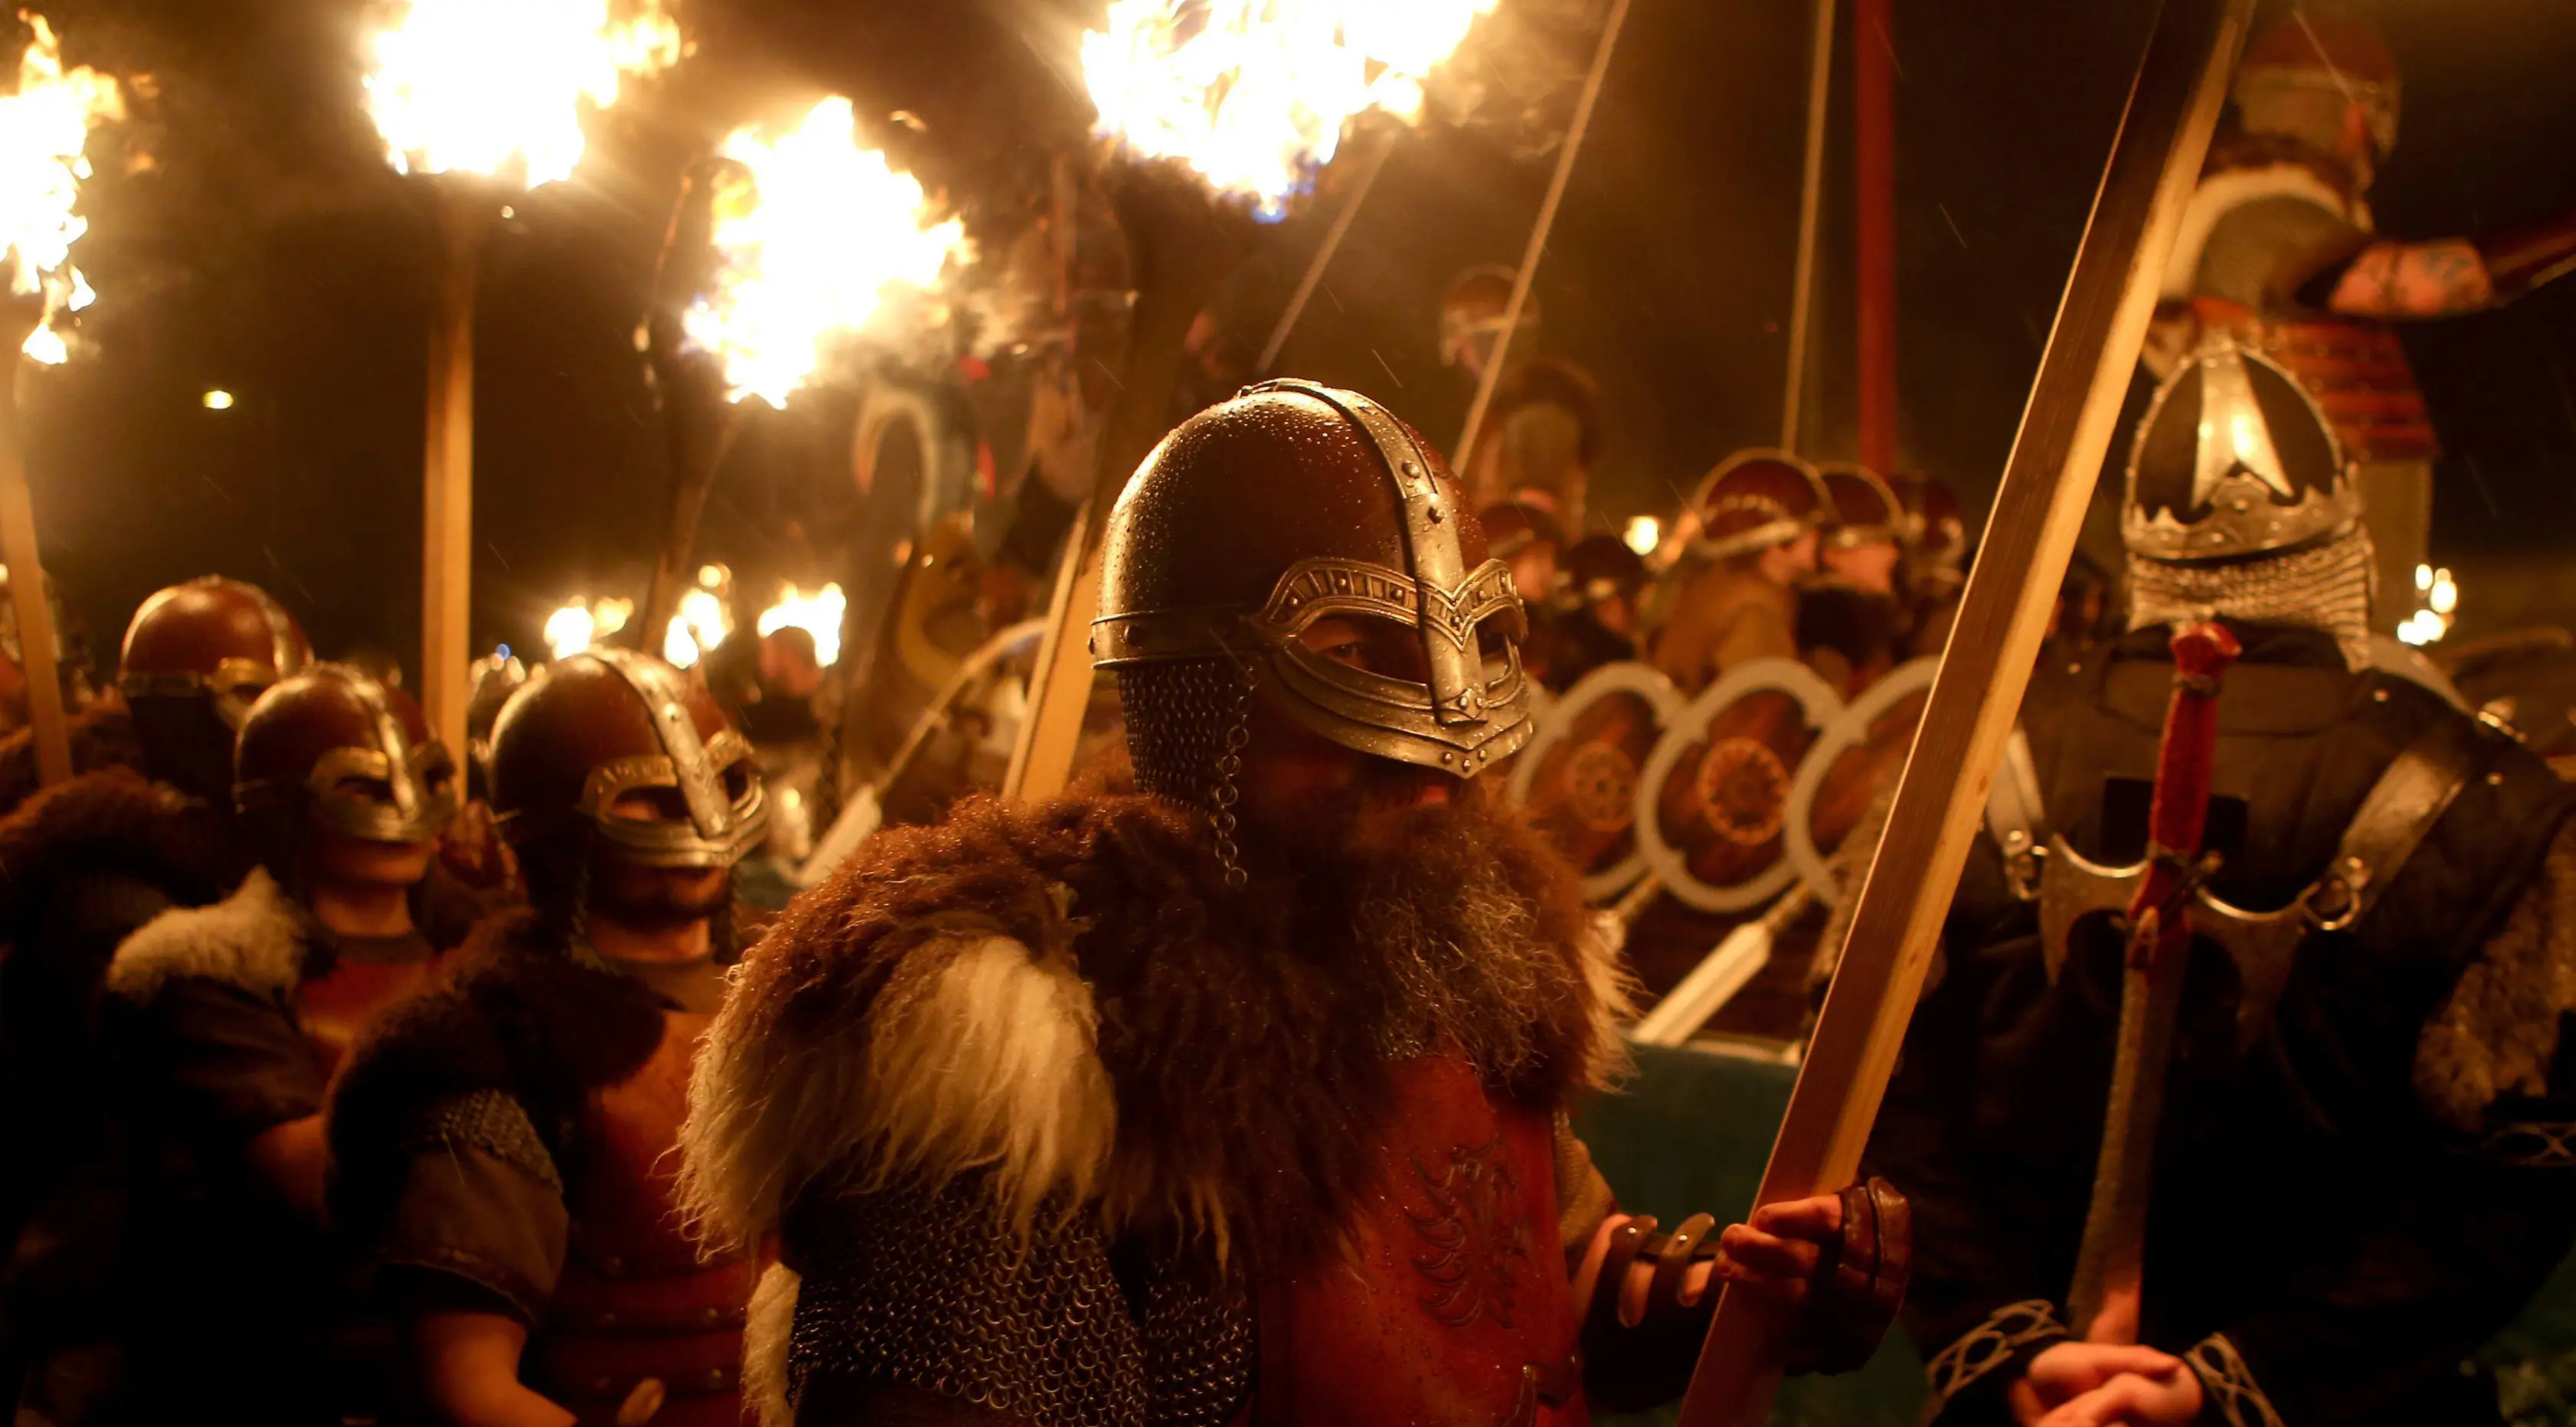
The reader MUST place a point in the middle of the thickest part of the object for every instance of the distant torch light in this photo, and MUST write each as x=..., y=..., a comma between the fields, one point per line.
x=679, y=650
x=569, y=630
x=2423, y=578
x=219, y=399
x=2444, y=597
x=1644, y=534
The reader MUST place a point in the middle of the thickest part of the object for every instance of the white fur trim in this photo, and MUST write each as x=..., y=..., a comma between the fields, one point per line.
x=2223, y=193
x=1613, y=987
x=979, y=1054
x=768, y=1329
x=253, y=939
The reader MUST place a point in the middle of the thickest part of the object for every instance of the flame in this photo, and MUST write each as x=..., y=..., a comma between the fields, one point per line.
x=808, y=242
x=490, y=86
x=43, y=129
x=818, y=614
x=1254, y=94
x=570, y=629
x=701, y=625
x=578, y=624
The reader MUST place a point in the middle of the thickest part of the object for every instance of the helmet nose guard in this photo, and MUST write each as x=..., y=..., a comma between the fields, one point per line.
x=1331, y=559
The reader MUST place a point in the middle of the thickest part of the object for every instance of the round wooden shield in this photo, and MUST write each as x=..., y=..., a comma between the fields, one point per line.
x=1713, y=804
x=1578, y=776
x=1856, y=756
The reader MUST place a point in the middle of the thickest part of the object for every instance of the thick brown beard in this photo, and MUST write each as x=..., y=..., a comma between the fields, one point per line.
x=1451, y=940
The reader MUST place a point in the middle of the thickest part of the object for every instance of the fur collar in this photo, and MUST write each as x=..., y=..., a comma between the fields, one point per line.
x=116, y=817
x=514, y=1012
x=1039, y=995
x=258, y=939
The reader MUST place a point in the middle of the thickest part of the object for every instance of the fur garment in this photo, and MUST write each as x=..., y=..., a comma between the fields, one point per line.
x=2498, y=1033
x=1068, y=1000
x=101, y=736
x=257, y=939
x=118, y=817
x=516, y=1012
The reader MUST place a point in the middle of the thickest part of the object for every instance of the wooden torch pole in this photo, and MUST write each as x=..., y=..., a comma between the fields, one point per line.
x=36, y=649
x=2065, y=431
x=447, y=484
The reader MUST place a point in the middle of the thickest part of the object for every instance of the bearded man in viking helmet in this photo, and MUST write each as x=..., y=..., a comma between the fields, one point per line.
x=2278, y=253
x=1245, y=1091
x=2367, y=1162
x=229, y=1022
x=502, y=1147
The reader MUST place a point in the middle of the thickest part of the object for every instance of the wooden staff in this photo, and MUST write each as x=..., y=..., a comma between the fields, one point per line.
x=447, y=477
x=36, y=649
x=1811, y=192
x=1371, y=167
x=698, y=425
x=2065, y=432
x=1465, y=450
x=1183, y=245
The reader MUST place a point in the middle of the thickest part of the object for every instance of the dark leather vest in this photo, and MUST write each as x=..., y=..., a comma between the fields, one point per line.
x=1449, y=1305
x=636, y=1314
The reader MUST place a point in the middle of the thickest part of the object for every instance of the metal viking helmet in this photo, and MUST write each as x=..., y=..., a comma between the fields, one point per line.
x=214, y=638
x=351, y=754
x=1864, y=510
x=589, y=730
x=1292, y=503
x=1754, y=500
x=2233, y=461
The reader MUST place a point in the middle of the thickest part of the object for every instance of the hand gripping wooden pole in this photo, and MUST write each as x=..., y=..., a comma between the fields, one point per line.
x=2065, y=431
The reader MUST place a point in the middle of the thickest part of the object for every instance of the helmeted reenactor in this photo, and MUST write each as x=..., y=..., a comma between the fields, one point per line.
x=1542, y=433
x=83, y=865
x=1245, y=1092
x=227, y=1023
x=503, y=1145
x=1596, y=622
x=2370, y=1017
x=1850, y=621
x=2278, y=253
x=1935, y=566
x=1758, y=517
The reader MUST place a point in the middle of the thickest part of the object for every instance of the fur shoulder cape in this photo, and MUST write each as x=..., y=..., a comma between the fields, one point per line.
x=257, y=939
x=1042, y=997
x=114, y=817
x=516, y=1014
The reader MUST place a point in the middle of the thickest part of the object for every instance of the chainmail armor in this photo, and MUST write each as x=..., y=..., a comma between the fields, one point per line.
x=2325, y=587
x=494, y=1122
x=1185, y=733
x=930, y=1292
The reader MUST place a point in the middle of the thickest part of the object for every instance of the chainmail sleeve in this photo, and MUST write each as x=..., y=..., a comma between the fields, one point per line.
x=906, y=1289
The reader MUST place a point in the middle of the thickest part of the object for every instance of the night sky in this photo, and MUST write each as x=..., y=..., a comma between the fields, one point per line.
x=268, y=250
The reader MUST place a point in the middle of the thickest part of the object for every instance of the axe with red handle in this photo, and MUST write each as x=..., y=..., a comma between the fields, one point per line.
x=2104, y=1301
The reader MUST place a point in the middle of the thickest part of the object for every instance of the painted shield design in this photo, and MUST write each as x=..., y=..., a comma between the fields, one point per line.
x=1858, y=754
x=1578, y=777
x=1713, y=805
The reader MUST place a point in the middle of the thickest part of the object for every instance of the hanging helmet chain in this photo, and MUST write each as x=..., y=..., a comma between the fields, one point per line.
x=1187, y=727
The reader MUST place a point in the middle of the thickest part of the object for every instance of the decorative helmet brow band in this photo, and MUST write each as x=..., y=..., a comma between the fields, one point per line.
x=1470, y=703
x=666, y=703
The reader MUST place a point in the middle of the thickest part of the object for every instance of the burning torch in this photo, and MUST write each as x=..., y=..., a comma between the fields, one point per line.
x=490, y=94
x=44, y=128
x=1229, y=109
